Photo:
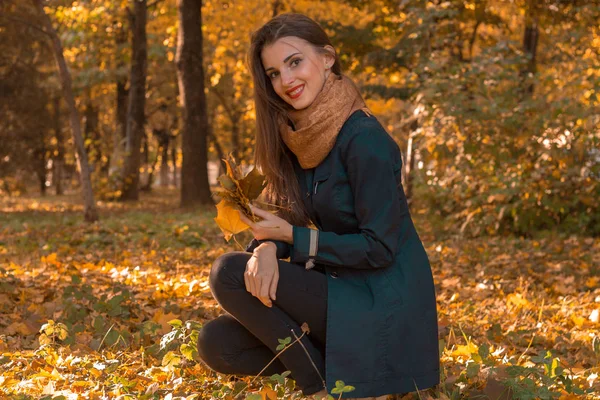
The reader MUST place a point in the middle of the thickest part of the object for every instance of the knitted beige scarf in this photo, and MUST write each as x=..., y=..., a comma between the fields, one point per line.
x=318, y=125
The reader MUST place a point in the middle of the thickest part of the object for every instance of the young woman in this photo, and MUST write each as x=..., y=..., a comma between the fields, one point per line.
x=358, y=274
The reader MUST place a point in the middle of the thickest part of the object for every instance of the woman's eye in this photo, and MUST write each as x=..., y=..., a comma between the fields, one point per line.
x=272, y=75
x=296, y=62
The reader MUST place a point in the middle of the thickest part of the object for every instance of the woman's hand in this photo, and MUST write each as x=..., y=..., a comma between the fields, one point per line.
x=262, y=273
x=271, y=227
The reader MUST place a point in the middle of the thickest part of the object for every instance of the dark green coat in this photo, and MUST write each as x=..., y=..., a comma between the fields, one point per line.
x=382, y=335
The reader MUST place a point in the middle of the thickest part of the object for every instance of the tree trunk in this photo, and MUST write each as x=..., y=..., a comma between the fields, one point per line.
x=215, y=142
x=59, y=159
x=163, y=138
x=137, y=102
x=235, y=139
x=174, y=160
x=164, y=164
x=151, y=169
x=122, y=96
x=194, y=171
x=145, y=149
x=145, y=161
x=91, y=136
x=220, y=153
x=40, y=162
x=90, y=212
x=277, y=4
x=530, y=41
x=120, y=132
x=122, y=92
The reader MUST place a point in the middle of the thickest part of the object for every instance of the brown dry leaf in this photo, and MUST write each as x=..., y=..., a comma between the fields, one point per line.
x=163, y=319
x=20, y=328
x=450, y=282
x=252, y=184
x=4, y=300
x=494, y=389
x=228, y=219
x=305, y=328
x=233, y=170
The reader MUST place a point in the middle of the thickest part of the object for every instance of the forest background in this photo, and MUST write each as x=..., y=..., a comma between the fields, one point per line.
x=495, y=105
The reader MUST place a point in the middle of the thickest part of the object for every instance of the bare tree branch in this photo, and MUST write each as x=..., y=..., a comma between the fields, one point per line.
x=155, y=2
x=23, y=22
x=224, y=103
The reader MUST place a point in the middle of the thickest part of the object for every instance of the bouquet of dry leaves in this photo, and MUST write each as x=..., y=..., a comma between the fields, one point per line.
x=238, y=190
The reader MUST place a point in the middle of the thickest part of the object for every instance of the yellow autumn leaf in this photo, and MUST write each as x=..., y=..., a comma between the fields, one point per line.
x=517, y=300
x=51, y=259
x=592, y=282
x=48, y=328
x=228, y=219
x=62, y=331
x=579, y=321
x=44, y=339
x=95, y=372
x=465, y=350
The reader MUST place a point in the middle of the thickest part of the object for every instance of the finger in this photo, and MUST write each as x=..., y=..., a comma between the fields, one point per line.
x=264, y=287
x=261, y=213
x=249, y=267
x=255, y=285
x=266, y=301
x=274, y=282
x=247, y=282
x=246, y=220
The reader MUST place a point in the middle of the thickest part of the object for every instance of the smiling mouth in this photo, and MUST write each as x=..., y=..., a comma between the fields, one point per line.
x=296, y=92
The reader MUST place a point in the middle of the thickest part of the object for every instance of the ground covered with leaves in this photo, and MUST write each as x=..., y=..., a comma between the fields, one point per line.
x=112, y=309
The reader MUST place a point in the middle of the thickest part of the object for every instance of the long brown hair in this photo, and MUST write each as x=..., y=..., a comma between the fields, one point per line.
x=272, y=156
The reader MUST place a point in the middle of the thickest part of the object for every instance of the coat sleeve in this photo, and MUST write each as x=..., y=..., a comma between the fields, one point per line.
x=373, y=162
x=283, y=248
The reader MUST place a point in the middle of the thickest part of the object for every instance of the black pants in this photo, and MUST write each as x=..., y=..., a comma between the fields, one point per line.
x=244, y=341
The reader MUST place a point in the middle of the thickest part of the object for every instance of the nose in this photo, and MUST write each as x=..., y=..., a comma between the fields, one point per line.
x=287, y=77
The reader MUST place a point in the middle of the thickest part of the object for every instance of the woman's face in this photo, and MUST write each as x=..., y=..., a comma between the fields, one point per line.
x=296, y=71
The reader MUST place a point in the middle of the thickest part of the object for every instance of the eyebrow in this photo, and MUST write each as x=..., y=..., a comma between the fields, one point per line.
x=284, y=61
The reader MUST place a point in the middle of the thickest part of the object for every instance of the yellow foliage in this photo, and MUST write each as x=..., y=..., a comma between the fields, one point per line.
x=465, y=350
x=517, y=300
x=228, y=219
x=51, y=259
x=579, y=321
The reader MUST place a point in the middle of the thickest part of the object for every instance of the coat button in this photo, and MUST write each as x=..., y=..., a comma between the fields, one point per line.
x=334, y=275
